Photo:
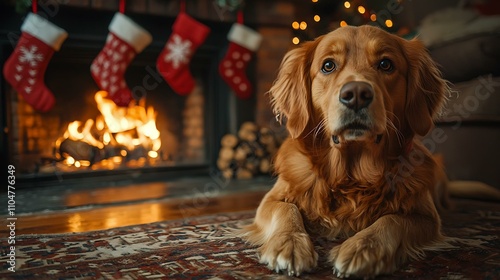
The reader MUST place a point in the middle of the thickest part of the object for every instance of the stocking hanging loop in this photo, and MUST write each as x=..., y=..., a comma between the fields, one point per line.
x=182, y=6
x=34, y=6
x=122, y=6
x=239, y=17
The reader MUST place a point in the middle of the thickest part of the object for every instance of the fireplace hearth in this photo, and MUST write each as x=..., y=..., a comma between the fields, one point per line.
x=75, y=144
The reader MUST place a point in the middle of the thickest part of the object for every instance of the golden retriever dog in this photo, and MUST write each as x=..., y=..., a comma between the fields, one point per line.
x=355, y=100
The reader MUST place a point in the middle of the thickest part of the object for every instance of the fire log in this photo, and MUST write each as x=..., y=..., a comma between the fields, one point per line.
x=248, y=132
x=248, y=153
x=226, y=154
x=229, y=141
x=79, y=150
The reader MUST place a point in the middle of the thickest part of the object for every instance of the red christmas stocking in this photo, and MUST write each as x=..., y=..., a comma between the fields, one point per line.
x=125, y=40
x=173, y=62
x=244, y=42
x=25, y=68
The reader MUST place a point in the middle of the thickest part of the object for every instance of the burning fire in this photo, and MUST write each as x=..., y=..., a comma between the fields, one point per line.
x=118, y=135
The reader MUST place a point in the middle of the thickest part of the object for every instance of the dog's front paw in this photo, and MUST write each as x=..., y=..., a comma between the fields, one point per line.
x=292, y=253
x=362, y=257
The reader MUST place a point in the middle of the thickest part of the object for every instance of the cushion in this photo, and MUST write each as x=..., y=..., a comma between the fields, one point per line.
x=476, y=100
x=468, y=57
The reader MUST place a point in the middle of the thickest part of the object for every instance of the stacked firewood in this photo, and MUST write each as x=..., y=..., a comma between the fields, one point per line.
x=249, y=153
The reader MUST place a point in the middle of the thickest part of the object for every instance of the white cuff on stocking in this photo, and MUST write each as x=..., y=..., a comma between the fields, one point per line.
x=44, y=30
x=130, y=32
x=244, y=36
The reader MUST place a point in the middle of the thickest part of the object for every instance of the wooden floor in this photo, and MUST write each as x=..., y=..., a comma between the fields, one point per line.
x=112, y=207
x=125, y=215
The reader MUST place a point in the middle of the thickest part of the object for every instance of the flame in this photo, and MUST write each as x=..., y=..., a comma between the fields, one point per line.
x=85, y=135
x=125, y=128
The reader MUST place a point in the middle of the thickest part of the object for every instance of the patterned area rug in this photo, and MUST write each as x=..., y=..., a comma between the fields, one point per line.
x=203, y=248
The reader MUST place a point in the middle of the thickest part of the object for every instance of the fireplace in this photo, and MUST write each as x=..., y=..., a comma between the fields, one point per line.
x=73, y=142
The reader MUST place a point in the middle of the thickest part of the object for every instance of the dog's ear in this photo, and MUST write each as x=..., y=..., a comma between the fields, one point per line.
x=290, y=93
x=426, y=90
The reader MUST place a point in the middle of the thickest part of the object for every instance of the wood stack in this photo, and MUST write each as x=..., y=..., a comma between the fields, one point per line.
x=249, y=153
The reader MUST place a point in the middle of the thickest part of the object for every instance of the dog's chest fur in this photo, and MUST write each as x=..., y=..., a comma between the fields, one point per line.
x=342, y=197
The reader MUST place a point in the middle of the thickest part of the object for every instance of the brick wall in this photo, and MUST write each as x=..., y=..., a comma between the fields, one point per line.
x=276, y=42
x=30, y=136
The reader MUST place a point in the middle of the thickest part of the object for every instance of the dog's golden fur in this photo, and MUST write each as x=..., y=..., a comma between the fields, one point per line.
x=375, y=185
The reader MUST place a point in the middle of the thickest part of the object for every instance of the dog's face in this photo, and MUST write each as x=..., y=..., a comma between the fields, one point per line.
x=357, y=84
x=357, y=81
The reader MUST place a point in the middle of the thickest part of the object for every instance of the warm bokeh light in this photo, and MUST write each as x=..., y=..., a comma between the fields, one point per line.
x=70, y=160
x=317, y=18
x=153, y=154
x=361, y=9
x=373, y=17
x=388, y=23
x=295, y=40
x=99, y=124
x=314, y=1
x=347, y=4
x=295, y=25
x=303, y=25
x=343, y=23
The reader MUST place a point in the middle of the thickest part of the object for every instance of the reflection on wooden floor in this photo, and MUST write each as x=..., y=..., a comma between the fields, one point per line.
x=134, y=213
x=116, y=195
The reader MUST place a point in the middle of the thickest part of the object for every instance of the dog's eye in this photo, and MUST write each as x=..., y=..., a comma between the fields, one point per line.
x=386, y=65
x=328, y=66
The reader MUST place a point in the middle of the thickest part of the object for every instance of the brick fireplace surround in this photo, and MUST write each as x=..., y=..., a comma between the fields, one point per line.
x=87, y=21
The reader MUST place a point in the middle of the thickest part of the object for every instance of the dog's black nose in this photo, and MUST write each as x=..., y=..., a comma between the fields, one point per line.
x=356, y=95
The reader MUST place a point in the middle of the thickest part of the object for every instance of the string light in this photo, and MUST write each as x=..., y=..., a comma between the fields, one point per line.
x=317, y=18
x=388, y=23
x=343, y=23
x=373, y=17
x=303, y=25
x=295, y=40
x=347, y=5
x=361, y=9
x=295, y=25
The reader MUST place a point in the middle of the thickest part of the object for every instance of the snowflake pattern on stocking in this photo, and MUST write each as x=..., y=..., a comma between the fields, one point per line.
x=30, y=55
x=111, y=64
x=179, y=51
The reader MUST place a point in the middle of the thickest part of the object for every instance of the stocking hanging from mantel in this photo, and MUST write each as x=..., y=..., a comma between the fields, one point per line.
x=125, y=40
x=244, y=41
x=25, y=69
x=173, y=63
